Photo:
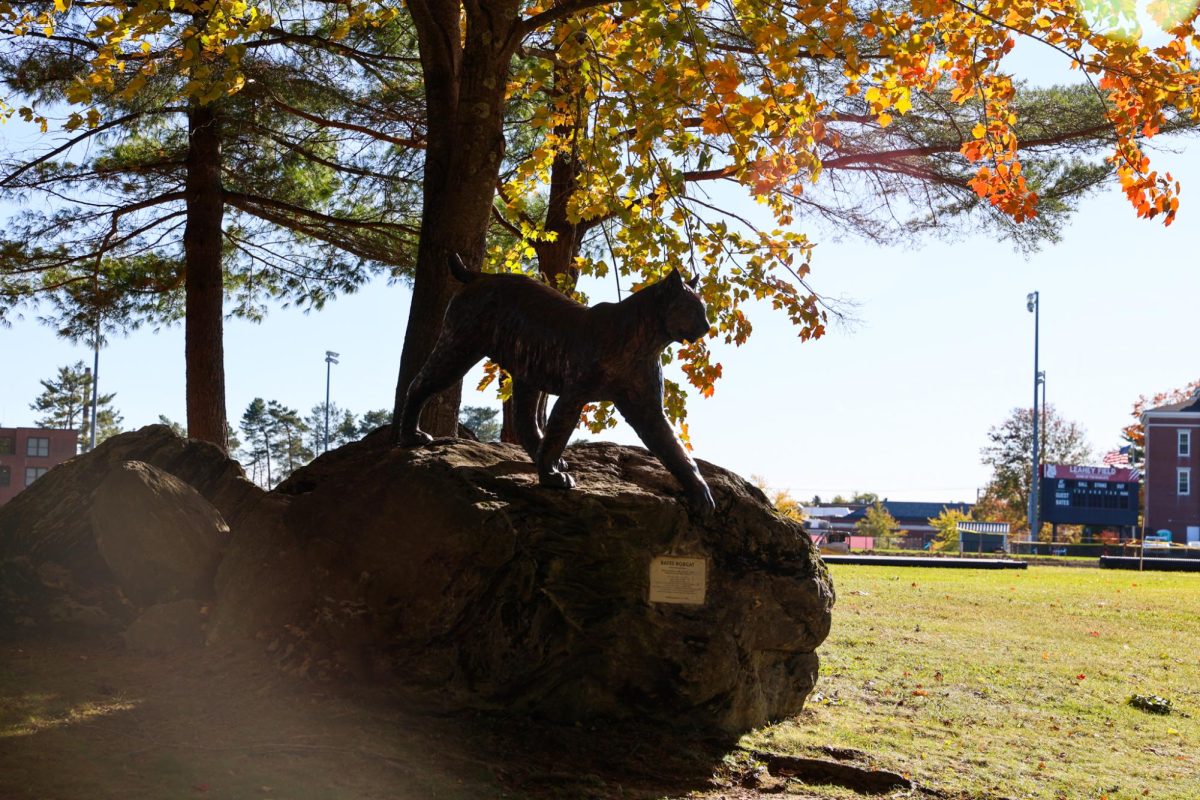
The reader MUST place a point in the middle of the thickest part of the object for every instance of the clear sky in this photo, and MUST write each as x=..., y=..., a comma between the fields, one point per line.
x=898, y=404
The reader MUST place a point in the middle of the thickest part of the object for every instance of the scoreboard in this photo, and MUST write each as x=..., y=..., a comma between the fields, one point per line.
x=1076, y=495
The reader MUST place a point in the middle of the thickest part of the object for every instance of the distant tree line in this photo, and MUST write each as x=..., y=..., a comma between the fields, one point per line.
x=276, y=441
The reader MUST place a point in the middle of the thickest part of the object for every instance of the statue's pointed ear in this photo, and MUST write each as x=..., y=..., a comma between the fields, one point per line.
x=693, y=282
x=675, y=279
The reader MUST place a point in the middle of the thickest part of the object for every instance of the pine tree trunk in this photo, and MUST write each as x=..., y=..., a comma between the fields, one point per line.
x=464, y=90
x=202, y=239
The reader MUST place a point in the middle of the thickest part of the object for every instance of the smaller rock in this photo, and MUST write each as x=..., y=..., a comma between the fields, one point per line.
x=166, y=627
x=64, y=610
x=159, y=536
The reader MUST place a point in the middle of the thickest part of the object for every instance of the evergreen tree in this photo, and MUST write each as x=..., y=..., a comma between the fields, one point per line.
x=288, y=448
x=482, y=421
x=343, y=428
x=187, y=188
x=373, y=420
x=257, y=426
x=66, y=401
x=175, y=427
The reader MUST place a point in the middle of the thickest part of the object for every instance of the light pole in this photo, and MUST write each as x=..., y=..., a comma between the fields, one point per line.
x=95, y=382
x=1032, y=305
x=331, y=358
x=1042, y=381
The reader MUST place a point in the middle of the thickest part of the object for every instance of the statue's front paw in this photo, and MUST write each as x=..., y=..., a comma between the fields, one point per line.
x=701, y=503
x=557, y=480
x=415, y=439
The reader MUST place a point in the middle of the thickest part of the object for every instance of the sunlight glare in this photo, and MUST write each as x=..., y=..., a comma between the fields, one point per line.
x=1137, y=21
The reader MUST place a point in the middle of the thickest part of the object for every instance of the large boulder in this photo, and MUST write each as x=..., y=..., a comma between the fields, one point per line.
x=51, y=520
x=449, y=567
x=265, y=582
x=159, y=536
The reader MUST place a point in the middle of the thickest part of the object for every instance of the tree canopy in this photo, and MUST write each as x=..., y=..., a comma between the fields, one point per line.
x=186, y=184
x=879, y=524
x=602, y=135
x=946, y=525
x=1135, y=432
x=1009, y=454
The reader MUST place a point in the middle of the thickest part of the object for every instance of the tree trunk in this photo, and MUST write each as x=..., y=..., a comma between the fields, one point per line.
x=464, y=91
x=556, y=259
x=202, y=239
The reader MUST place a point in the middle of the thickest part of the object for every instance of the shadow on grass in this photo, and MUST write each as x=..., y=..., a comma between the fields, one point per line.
x=84, y=718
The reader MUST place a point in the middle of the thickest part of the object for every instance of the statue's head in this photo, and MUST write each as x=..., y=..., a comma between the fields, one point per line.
x=685, y=316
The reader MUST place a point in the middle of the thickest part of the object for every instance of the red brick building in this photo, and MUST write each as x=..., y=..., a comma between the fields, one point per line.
x=27, y=454
x=1172, y=469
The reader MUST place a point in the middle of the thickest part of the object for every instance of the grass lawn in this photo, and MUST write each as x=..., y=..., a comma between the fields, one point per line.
x=1010, y=683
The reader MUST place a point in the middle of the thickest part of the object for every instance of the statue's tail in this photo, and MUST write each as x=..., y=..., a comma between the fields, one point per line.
x=459, y=270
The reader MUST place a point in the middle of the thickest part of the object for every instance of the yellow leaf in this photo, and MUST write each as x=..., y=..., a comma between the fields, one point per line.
x=885, y=119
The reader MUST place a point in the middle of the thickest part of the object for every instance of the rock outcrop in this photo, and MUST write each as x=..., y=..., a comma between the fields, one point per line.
x=51, y=520
x=160, y=538
x=444, y=567
x=450, y=567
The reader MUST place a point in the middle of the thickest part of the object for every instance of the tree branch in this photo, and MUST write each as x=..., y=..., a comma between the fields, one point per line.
x=557, y=12
x=415, y=144
x=250, y=204
x=85, y=135
x=882, y=157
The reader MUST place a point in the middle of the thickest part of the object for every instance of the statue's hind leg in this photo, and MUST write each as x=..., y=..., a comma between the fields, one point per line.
x=525, y=417
x=448, y=362
x=527, y=405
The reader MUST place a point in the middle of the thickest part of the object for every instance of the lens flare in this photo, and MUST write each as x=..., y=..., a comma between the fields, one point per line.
x=1137, y=21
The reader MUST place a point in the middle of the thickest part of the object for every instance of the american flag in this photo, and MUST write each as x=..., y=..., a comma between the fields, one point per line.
x=1117, y=458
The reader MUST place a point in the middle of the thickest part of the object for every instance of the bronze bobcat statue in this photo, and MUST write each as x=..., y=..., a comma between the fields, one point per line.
x=550, y=343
